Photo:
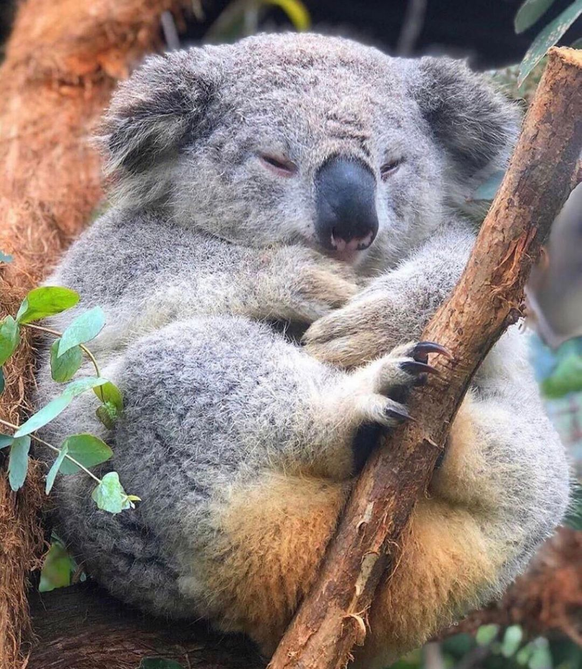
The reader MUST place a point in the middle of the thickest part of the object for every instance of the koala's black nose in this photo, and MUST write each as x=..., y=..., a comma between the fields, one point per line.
x=346, y=205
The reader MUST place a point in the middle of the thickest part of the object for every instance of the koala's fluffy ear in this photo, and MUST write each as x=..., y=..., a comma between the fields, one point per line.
x=476, y=125
x=152, y=115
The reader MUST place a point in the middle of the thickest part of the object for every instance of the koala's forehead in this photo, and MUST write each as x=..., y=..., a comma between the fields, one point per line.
x=314, y=76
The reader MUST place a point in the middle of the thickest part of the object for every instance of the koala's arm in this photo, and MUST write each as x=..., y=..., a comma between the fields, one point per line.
x=395, y=306
x=147, y=273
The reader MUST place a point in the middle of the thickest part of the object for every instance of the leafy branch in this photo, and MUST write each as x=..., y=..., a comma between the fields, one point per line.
x=529, y=14
x=78, y=452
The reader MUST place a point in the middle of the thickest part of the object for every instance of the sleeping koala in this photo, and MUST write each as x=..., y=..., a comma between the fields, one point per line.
x=285, y=185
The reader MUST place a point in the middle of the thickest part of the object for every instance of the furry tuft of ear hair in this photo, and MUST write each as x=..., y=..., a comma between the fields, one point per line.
x=471, y=120
x=152, y=115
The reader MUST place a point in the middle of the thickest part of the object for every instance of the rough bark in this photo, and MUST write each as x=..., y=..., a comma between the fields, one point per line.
x=61, y=64
x=487, y=299
x=83, y=628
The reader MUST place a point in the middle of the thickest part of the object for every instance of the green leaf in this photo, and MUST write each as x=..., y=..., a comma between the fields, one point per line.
x=547, y=38
x=2, y=382
x=86, y=449
x=296, y=11
x=576, y=44
x=84, y=328
x=110, y=496
x=64, y=367
x=5, y=258
x=46, y=301
x=566, y=378
x=58, y=405
x=54, y=470
x=523, y=655
x=109, y=392
x=107, y=415
x=529, y=13
x=488, y=189
x=486, y=634
x=57, y=569
x=18, y=462
x=541, y=657
x=5, y=440
x=159, y=663
x=511, y=641
x=9, y=338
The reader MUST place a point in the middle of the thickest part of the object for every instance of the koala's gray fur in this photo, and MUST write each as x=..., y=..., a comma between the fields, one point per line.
x=203, y=249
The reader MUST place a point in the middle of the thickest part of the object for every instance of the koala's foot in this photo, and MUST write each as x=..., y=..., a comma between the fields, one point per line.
x=378, y=392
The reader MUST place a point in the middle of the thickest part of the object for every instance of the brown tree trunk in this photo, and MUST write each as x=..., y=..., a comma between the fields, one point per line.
x=62, y=62
x=487, y=299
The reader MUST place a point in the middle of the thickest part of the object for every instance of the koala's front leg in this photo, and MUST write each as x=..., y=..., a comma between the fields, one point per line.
x=296, y=284
x=394, y=307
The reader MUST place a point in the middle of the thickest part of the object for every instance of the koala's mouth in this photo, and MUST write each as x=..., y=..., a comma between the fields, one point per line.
x=351, y=250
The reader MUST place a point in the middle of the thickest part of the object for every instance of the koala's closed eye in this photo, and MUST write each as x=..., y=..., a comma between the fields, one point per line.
x=390, y=167
x=279, y=165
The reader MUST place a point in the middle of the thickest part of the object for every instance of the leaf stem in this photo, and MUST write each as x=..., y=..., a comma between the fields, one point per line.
x=55, y=449
x=85, y=350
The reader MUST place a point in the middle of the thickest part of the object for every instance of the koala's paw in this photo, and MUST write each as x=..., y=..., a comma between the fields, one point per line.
x=319, y=285
x=352, y=336
x=379, y=391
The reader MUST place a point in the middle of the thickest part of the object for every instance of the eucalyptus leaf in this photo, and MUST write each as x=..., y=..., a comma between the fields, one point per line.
x=547, y=38
x=9, y=338
x=54, y=470
x=84, y=328
x=541, y=657
x=565, y=378
x=5, y=440
x=107, y=415
x=64, y=367
x=58, y=405
x=110, y=496
x=529, y=13
x=87, y=450
x=2, y=382
x=18, y=462
x=46, y=301
x=57, y=569
x=110, y=393
x=511, y=641
x=486, y=634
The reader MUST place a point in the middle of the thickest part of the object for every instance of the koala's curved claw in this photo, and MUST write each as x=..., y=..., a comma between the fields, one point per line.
x=422, y=349
x=400, y=414
x=416, y=367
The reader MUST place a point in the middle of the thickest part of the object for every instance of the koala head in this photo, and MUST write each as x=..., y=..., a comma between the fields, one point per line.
x=305, y=139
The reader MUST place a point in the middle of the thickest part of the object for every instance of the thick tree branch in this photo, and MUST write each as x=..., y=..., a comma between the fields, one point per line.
x=82, y=627
x=487, y=299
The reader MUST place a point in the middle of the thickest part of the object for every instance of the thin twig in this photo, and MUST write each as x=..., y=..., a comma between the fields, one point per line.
x=55, y=449
x=83, y=348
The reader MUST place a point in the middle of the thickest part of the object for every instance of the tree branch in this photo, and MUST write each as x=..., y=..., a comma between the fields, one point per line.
x=486, y=301
x=82, y=627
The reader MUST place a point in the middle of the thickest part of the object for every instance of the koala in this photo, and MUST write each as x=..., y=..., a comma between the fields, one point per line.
x=286, y=214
